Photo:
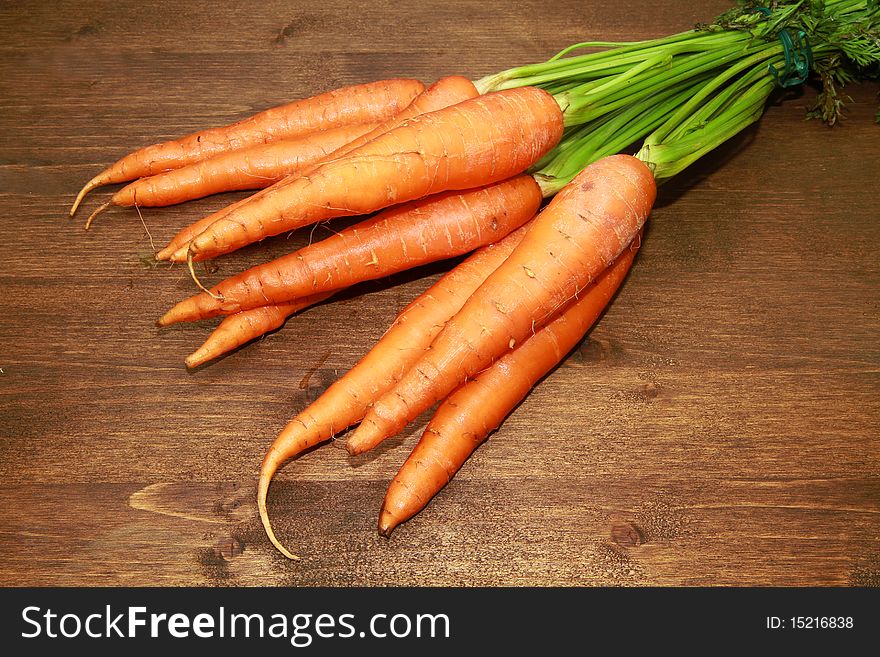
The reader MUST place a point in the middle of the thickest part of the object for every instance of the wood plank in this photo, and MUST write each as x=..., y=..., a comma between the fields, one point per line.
x=720, y=425
x=597, y=530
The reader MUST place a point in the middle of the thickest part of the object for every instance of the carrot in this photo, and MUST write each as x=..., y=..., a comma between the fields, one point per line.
x=345, y=402
x=475, y=142
x=182, y=238
x=571, y=242
x=466, y=418
x=255, y=167
x=443, y=93
x=405, y=236
x=362, y=103
x=241, y=328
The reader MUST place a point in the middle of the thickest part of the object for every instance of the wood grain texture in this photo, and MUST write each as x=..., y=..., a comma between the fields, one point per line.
x=720, y=425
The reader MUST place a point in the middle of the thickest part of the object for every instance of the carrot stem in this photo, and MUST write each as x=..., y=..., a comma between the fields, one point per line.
x=609, y=135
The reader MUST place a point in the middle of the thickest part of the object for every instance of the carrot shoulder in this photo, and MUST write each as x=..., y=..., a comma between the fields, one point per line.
x=571, y=242
x=360, y=103
x=345, y=402
x=473, y=143
x=443, y=93
x=464, y=420
x=405, y=236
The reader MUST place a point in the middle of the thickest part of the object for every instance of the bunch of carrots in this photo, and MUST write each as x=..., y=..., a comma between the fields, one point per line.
x=459, y=168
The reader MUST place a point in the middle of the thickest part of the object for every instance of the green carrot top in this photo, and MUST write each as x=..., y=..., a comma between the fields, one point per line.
x=685, y=94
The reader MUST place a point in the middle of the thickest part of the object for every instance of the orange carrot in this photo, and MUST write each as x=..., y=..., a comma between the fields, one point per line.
x=475, y=142
x=571, y=242
x=241, y=328
x=345, y=402
x=255, y=167
x=405, y=236
x=466, y=418
x=182, y=238
x=443, y=93
x=362, y=103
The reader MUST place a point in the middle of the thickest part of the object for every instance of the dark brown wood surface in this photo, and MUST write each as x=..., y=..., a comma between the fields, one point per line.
x=719, y=426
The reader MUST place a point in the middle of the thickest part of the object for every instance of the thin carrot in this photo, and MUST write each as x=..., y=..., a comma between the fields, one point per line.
x=362, y=103
x=571, y=242
x=475, y=142
x=405, y=236
x=345, y=402
x=184, y=235
x=467, y=417
x=241, y=328
x=443, y=93
x=255, y=167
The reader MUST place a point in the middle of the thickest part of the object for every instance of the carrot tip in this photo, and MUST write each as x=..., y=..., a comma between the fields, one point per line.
x=94, y=214
x=179, y=255
x=262, y=494
x=386, y=525
x=89, y=186
x=199, y=357
x=272, y=539
x=365, y=437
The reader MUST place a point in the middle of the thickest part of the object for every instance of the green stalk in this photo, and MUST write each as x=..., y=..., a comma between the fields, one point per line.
x=608, y=135
x=692, y=105
x=668, y=159
x=580, y=108
x=566, y=68
x=687, y=93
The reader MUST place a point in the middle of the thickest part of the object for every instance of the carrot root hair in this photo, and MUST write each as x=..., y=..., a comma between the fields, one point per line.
x=192, y=272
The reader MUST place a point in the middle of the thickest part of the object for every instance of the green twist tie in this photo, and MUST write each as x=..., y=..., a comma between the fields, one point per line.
x=798, y=56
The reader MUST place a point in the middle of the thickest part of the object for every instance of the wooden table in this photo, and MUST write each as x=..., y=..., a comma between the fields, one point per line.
x=719, y=426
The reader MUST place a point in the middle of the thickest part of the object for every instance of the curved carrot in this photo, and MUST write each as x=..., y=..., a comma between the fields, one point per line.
x=255, y=167
x=466, y=418
x=571, y=242
x=405, y=236
x=360, y=103
x=443, y=93
x=345, y=402
x=241, y=328
x=475, y=142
